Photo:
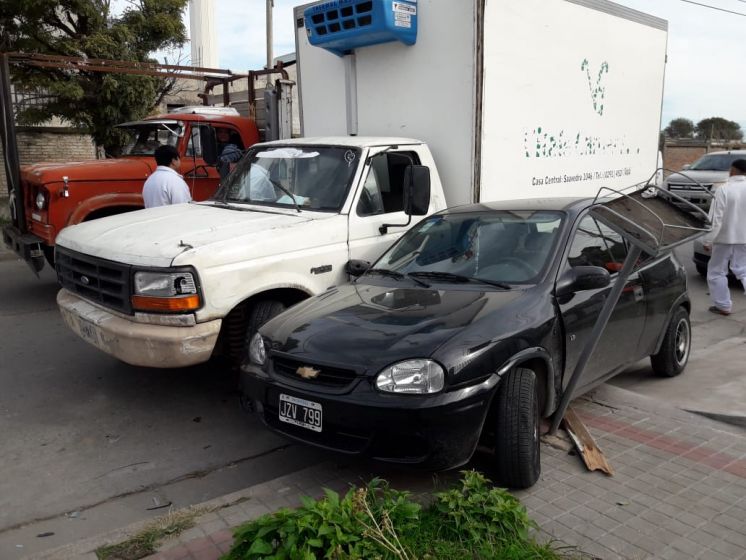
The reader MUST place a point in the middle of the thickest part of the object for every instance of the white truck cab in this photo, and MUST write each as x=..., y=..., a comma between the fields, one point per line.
x=158, y=287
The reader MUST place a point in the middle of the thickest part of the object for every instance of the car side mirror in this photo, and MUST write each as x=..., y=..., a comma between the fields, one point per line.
x=581, y=278
x=417, y=190
x=356, y=267
x=209, y=144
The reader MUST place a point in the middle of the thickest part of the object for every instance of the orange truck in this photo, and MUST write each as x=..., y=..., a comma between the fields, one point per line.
x=57, y=195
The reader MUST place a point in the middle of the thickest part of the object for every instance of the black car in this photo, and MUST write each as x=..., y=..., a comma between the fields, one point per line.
x=465, y=332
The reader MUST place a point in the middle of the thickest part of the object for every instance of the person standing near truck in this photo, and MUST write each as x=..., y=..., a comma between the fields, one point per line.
x=166, y=186
x=728, y=238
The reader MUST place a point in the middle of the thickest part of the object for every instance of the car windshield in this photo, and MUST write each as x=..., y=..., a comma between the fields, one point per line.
x=309, y=177
x=510, y=247
x=715, y=162
x=143, y=139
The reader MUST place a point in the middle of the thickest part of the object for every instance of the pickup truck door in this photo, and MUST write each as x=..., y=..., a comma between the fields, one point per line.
x=380, y=201
x=202, y=179
x=592, y=243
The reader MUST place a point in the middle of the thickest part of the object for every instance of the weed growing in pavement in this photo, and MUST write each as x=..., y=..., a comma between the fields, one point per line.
x=473, y=520
x=146, y=541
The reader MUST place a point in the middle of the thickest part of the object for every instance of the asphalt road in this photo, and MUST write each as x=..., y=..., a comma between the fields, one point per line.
x=89, y=443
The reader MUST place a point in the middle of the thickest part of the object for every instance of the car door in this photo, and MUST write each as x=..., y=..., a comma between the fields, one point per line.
x=380, y=201
x=594, y=244
x=202, y=179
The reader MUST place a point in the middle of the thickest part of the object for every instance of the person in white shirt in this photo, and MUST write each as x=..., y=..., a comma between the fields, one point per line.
x=728, y=238
x=165, y=186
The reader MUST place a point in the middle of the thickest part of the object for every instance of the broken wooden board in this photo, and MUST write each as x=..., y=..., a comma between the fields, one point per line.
x=593, y=457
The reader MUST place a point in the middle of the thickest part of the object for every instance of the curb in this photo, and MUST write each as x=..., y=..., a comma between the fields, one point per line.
x=85, y=549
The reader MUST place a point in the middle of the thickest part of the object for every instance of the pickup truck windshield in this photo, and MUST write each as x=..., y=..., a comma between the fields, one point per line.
x=145, y=138
x=309, y=177
x=510, y=247
x=715, y=162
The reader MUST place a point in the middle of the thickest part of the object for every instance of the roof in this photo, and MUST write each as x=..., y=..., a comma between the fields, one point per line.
x=352, y=141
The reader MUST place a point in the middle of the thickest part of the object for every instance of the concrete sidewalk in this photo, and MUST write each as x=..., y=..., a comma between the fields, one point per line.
x=679, y=490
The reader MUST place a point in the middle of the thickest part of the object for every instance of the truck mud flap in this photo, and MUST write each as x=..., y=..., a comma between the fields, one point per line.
x=26, y=246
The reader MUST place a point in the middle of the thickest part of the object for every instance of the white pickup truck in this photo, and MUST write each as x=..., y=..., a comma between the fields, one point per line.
x=531, y=99
x=162, y=287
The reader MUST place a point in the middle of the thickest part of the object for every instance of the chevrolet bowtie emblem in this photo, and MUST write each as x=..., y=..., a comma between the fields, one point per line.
x=307, y=372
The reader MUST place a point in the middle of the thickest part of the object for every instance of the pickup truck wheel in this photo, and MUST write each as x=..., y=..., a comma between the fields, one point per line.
x=48, y=254
x=673, y=355
x=261, y=312
x=517, y=458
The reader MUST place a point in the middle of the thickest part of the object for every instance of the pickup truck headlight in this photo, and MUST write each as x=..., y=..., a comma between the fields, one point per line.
x=412, y=376
x=165, y=291
x=41, y=201
x=257, y=350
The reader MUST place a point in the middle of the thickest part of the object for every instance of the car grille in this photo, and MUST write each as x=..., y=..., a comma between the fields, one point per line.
x=98, y=280
x=331, y=377
x=689, y=186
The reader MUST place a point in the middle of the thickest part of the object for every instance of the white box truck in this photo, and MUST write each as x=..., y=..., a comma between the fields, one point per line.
x=507, y=99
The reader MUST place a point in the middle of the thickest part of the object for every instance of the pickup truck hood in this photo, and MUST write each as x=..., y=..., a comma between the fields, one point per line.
x=156, y=236
x=367, y=327
x=133, y=168
x=690, y=176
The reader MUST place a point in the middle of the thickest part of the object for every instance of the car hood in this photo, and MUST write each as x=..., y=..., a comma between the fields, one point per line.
x=92, y=170
x=367, y=327
x=157, y=236
x=692, y=176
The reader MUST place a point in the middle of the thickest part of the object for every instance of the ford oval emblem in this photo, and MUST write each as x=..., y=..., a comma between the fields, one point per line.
x=85, y=280
x=307, y=372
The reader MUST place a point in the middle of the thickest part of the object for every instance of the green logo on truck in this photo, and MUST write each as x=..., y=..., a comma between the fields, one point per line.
x=598, y=92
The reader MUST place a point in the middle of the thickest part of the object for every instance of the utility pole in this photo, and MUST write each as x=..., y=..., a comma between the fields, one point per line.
x=270, y=5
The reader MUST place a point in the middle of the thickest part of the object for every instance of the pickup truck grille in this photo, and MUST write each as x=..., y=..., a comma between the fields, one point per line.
x=327, y=377
x=100, y=281
x=689, y=186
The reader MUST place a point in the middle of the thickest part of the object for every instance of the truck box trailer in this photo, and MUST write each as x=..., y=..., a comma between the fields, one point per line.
x=516, y=99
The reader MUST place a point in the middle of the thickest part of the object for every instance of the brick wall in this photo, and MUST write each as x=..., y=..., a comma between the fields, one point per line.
x=678, y=154
x=58, y=145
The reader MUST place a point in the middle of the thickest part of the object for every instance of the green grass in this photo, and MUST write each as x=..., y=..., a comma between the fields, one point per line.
x=472, y=520
x=146, y=542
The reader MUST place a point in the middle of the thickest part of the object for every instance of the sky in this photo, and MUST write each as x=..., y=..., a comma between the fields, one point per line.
x=705, y=74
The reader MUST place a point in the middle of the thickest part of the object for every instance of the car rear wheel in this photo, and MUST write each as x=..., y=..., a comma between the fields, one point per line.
x=673, y=355
x=261, y=312
x=517, y=458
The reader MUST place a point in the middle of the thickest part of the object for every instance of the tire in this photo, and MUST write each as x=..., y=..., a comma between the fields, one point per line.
x=674, y=352
x=48, y=254
x=260, y=313
x=517, y=455
x=702, y=270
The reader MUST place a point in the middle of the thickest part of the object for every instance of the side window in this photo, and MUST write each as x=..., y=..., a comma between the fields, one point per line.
x=383, y=190
x=595, y=244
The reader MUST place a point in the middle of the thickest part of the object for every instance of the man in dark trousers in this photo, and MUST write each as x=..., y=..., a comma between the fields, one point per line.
x=728, y=238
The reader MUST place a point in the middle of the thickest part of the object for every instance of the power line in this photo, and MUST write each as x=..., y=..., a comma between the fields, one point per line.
x=716, y=8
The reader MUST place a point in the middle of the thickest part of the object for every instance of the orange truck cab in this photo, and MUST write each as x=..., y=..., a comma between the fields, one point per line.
x=58, y=195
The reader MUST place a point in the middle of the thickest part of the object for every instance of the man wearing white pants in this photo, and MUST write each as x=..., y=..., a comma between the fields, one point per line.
x=728, y=238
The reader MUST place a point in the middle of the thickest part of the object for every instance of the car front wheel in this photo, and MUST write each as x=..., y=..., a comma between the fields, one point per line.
x=261, y=312
x=673, y=355
x=517, y=459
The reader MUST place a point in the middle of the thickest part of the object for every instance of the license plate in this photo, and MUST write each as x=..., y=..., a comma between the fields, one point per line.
x=300, y=412
x=88, y=331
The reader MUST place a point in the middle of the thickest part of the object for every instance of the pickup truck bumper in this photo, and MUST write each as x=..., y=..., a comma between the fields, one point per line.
x=25, y=245
x=139, y=344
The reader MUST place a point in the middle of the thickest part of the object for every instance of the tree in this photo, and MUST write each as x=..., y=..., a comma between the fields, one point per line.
x=717, y=128
x=680, y=128
x=86, y=28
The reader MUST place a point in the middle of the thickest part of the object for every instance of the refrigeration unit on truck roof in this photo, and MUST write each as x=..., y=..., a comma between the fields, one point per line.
x=516, y=99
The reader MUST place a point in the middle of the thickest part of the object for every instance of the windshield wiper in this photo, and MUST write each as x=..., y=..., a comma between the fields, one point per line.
x=287, y=192
x=396, y=275
x=459, y=278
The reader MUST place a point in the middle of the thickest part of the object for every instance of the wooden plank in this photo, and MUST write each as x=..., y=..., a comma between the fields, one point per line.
x=592, y=455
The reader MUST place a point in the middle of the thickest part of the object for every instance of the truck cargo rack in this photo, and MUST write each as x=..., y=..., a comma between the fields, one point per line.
x=651, y=220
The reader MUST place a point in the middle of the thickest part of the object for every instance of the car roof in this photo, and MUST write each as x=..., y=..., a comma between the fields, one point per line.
x=572, y=205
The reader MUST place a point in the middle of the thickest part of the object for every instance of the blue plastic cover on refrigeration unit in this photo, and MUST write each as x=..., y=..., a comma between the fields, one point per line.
x=341, y=26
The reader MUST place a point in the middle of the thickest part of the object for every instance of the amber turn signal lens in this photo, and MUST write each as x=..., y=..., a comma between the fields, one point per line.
x=148, y=303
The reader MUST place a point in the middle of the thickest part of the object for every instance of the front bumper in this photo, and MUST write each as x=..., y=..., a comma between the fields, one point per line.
x=701, y=199
x=25, y=245
x=435, y=432
x=139, y=344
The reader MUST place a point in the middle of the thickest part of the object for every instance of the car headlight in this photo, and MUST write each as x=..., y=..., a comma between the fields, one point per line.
x=165, y=291
x=257, y=350
x=40, y=201
x=412, y=376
